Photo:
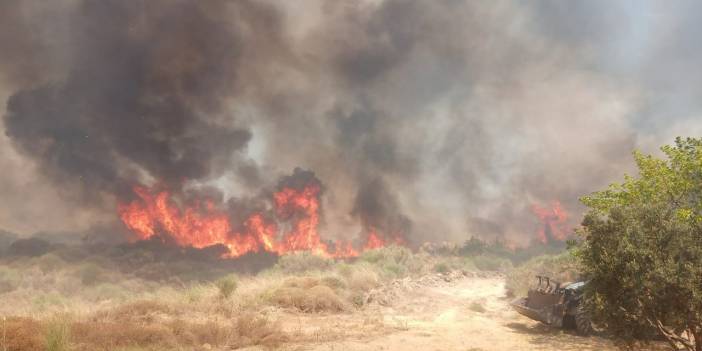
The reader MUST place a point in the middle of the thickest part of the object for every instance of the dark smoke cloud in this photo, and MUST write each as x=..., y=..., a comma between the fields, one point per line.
x=145, y=92
x=441, y=119
x=379, y=211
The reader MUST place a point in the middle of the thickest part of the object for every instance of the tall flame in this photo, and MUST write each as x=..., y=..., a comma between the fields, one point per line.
x=554, y=222
x=294, y=226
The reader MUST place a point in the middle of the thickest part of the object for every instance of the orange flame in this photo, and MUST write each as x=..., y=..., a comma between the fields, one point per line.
x=375, y=240
x=155, y=213
x=554, y=222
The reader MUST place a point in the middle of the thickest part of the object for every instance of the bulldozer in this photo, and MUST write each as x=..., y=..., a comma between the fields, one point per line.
x=556, y=304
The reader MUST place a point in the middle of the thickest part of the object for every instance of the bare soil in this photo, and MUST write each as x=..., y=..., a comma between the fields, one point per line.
x=467, y=314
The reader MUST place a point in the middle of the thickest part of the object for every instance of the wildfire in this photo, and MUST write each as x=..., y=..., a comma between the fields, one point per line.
x=375, y=240
x=293, y=225
x=554, y=222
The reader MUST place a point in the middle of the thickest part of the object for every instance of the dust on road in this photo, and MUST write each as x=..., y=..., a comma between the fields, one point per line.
x=469, y=314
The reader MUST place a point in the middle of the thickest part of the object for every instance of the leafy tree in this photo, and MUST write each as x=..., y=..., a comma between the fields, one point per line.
x=642, y=249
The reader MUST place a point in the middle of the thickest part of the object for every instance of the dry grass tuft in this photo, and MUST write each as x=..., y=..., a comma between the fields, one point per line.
x=133, y=331
x=144, y=311
x=109, y=336
x=477, y=307
x=256, y=330
x=334, y=282
x=177, y=333
x=363, y=280
x=22, y=334
x=209, y=332
x=301, y=282
x=319, y=298
x=323, y=298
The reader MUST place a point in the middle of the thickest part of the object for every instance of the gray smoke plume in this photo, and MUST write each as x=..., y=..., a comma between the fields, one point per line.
x=440, y=119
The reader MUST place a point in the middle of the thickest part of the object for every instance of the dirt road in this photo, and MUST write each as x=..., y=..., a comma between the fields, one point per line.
x=468, y=314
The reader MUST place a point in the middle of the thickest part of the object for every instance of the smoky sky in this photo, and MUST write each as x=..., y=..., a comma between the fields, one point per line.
x=442, y=119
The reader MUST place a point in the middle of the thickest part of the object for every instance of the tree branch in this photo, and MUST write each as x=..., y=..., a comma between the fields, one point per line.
x=673, y=339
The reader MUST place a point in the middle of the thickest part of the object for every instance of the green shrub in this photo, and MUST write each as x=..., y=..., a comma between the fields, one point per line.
x=499, y=248
x=10, y=279
x=194, y=293
x=467, y=264
x=226, y=286
x=442, y=267
x=50, y=263
x=393, y=270
x=344, y=269
x=393, y=261
x=491, y=263
x=90, y=274
x=641, y=250
x=57, y=334
x=43, y=301
x=473, y=247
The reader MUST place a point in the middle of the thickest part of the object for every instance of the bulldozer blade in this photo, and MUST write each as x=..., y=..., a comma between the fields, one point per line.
x=520, y=305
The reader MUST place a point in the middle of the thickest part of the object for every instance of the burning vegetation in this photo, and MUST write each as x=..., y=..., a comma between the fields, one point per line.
x=554, y=220
x=170, y=128
x=291, y=224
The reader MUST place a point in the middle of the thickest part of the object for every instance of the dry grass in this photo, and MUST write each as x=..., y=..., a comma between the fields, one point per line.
x=476, y=306
x=110, y=335
x=301, y=282
x=226, y=286
x=143, y=311
x=245, y=330
x=363, y=279
x=22, y=334
x=319, y=298
x=136, y=314
x=57, y=333
x=256, y=330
